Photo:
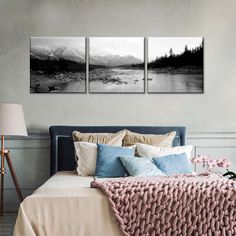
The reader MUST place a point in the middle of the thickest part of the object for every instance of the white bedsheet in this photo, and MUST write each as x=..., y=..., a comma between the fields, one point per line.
x=66, y=206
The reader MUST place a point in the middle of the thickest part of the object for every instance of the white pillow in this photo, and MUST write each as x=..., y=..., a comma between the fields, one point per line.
x=86, y=155
x=149, y=151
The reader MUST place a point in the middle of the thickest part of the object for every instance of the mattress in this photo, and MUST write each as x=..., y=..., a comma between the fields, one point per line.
x=66, y=205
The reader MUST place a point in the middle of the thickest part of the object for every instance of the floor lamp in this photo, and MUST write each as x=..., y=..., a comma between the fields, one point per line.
x=12, y=123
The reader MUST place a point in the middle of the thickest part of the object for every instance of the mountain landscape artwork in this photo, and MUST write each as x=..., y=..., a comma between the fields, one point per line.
x=57, y=65
x=116, y=65
x=175, y=64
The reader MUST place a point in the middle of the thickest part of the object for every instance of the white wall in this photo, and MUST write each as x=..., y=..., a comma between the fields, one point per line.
x=212, y=19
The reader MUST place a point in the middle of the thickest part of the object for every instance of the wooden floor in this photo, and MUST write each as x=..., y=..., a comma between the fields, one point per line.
x=7, y=222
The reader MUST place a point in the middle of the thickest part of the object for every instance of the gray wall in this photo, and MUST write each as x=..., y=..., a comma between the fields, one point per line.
x=212, y=19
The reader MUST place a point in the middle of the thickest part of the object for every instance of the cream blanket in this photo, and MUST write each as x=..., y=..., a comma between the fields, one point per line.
x=66, y=206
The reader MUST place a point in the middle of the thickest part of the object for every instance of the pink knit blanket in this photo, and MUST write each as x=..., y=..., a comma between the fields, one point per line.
x=202, y=205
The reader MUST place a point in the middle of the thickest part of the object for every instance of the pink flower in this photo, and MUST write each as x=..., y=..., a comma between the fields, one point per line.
x=211, y=163
x=195, y=159
x=200, y=159
x=223, y=162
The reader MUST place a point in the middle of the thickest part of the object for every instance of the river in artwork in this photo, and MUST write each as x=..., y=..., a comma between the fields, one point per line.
x=116, y=80
x=174, y=82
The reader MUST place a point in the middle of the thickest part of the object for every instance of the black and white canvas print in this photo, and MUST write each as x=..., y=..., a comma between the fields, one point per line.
x=57, y=65
x=116, y=65
x=175, y=65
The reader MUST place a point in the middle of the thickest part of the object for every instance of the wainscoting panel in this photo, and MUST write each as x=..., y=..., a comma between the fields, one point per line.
x=215, y=144
x=31, y=159
x=11, y=201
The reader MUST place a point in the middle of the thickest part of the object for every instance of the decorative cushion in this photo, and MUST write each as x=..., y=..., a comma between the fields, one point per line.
x=165, y=140
x=86, y=157
x=108, y=162
x=145, y=150
x=114, y=139
x=140, y=166
x=173, y=164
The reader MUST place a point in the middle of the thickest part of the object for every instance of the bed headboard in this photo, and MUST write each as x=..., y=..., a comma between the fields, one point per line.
x=62, y=147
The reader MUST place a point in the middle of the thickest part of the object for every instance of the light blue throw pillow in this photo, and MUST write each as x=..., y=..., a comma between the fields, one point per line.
x=138, y=166
x=173, y=164
x=108, y=162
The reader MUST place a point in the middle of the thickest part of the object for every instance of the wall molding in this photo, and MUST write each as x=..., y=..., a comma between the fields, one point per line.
x=32, y=135
x=212, y=135
x=228, y=134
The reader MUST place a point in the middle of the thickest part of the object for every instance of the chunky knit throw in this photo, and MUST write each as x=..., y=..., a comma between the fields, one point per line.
x=202, y=205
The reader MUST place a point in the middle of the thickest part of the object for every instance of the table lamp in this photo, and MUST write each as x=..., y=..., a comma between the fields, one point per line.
x=12, y=122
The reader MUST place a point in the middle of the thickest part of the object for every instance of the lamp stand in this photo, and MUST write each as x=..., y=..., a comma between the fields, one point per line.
x=6, y=154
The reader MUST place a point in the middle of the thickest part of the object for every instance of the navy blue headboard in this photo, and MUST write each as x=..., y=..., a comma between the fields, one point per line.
x=62, y=148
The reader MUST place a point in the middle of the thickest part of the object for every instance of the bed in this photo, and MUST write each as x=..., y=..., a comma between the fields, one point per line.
x=42, y=213
x=67, y=205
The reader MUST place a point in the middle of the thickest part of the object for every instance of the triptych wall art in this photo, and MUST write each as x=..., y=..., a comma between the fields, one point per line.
x=116, y=65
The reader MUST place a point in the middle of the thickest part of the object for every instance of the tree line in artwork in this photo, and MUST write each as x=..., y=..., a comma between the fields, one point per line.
x=52, y=66
x=190, y=57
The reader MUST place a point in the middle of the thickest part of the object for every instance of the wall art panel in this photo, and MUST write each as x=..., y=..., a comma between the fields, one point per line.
x=116, y=65
x=175, y=65
x=57, y=65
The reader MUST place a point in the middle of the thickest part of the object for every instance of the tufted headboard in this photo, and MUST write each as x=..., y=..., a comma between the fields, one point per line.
x=62, y=147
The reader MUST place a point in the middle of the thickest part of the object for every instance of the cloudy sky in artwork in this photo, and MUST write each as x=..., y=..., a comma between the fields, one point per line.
x=55, y=42
x=122, y=46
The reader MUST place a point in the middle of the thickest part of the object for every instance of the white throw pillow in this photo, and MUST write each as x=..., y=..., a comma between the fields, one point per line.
x=149, y=151
x=86, y=155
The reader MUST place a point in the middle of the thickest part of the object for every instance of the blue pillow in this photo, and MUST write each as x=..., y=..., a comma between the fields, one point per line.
x=173, y=164
x=139, y=166
x=108, y=162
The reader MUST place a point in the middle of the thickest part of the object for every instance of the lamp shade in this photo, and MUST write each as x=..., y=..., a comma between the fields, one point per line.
x=12, y=121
